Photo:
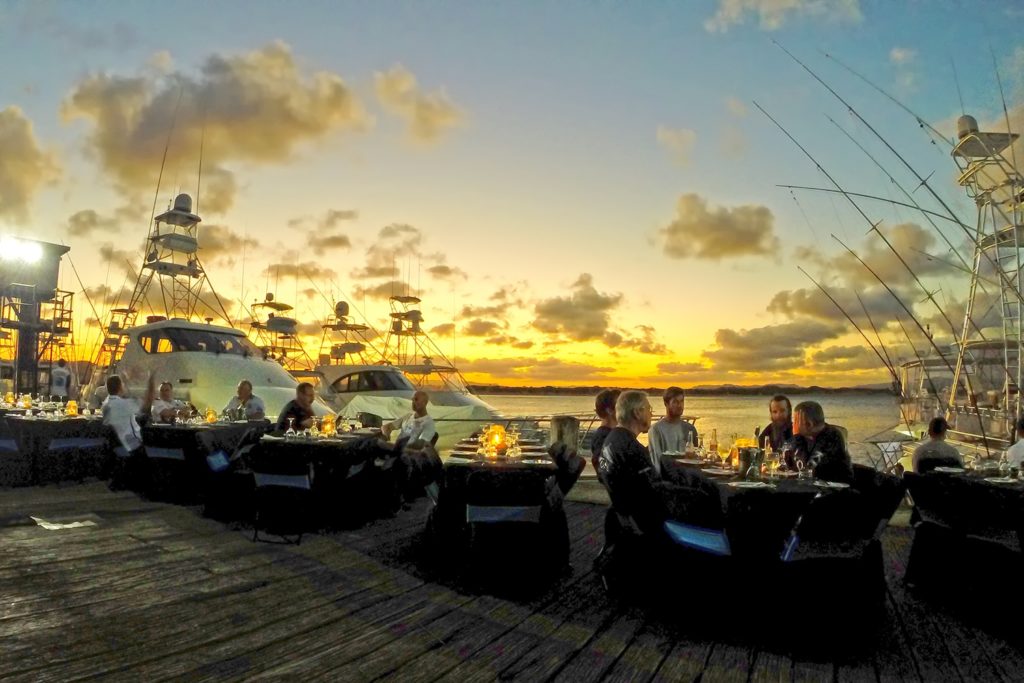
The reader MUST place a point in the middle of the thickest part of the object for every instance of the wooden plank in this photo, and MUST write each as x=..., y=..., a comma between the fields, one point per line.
x=603, y=651
x=177, y=638
x=685, y=661
x=813, y=672
x=644, y=656
x=771, y=667
x=728, y=662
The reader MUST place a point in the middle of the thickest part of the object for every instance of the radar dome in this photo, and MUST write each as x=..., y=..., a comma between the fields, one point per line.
x=966, y=125
x=341, y=309
x=183, y=203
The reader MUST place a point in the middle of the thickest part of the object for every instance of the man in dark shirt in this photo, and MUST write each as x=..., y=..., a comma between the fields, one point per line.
x=820, y=443
x=604, y=406
x=780, y=430
x=300, y=408
x=625, y=464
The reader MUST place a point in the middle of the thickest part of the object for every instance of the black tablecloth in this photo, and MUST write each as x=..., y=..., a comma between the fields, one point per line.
x=53, y=450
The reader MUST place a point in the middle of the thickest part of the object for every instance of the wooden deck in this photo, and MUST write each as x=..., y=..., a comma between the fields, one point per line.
x=150, y=592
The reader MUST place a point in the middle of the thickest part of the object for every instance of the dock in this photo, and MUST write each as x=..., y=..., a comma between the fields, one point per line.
x=102, y=584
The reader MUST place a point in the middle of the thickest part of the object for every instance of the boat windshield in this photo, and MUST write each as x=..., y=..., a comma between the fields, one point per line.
x=175, y=339
x=436, y=379
x=372, y=380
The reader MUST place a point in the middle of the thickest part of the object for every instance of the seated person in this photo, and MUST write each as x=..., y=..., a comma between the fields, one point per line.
x=625, y=464
x=935, y=452
x=245, y=400
x=604, y=406
x=416, y=429
x=299, y=409
x=819, y=444
x=670, y=432
x=1015, y=453
x=126, y=415
x=779, y=431
x=165, y=407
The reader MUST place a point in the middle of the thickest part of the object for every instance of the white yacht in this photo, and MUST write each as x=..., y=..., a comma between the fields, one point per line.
x=204, y=362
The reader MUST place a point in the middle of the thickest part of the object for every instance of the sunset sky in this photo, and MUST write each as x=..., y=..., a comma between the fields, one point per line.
x=582, y=192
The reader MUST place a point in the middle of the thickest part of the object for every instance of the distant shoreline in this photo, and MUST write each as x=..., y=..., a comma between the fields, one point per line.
x=720, y=390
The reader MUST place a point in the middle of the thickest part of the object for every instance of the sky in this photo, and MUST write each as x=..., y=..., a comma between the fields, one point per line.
x=582, y=193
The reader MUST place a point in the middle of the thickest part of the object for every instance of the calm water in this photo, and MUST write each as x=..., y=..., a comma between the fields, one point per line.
x=862, y=415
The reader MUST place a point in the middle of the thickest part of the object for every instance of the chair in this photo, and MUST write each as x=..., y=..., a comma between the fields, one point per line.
x=889, y=454
x=282, y=497
x=508, y=524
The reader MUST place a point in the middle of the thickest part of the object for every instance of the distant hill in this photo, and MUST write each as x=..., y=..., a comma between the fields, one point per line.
x=701, y=390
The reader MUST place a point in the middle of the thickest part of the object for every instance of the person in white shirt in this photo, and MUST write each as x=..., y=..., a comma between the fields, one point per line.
x=245, y=399
x=166, y=407
x=670, y=432
x=417, y=428
x=123, y=413
x=1015, y=453
x=61, y=381
x=935, y=452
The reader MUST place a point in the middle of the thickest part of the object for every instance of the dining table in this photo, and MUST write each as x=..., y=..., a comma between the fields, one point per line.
x=51, y=447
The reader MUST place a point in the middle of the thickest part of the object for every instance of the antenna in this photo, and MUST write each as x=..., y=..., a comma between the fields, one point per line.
x=202, y=143
x=956, y=80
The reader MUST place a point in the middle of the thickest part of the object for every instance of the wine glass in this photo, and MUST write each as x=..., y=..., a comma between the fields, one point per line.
x=290, y=432
x=724, y=455
x=801, y=473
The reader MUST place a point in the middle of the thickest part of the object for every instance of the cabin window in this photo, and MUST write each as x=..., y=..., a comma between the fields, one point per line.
x=202, y=341
x=346, y=383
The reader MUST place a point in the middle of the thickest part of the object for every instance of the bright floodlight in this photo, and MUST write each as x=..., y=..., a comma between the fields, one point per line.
x=14, y=249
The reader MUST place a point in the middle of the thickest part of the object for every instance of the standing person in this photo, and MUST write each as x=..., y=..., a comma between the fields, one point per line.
x=669, y=433
x=299, y=408
x=415, y=429
x=1015, y=453
x=935, y=452
x=780, y=429
x=604, y=406
x=816, y=439
x=61, y=381
x=245, y=399
x=125, y=416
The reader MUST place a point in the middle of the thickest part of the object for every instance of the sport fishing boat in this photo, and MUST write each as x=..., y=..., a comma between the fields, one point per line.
x=204, y=362
x=975, y=383
x=354, y=376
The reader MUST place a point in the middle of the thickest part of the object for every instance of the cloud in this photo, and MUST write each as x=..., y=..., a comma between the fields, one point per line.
x=24, y=166
x=369, y=272
x=508, y=340
x=222, y=244
x=769, y=348
x=679, y=142
x=645, y=342
x=122, y=259
x=714, y=234
x=443, y=272
x=481, y=328
x=902, y=55
x=443, y=330
x=86, y=222
x=394, y=243
x=674, y=368
x=304, y=270
x=507, y=298
x=844, y=358
x=254, y=108
x=903, y=58
x=428, y=115
x=736, y=107
x=320, y=242
x=536, y=369
x=384, y=290
x=582, y=316
x=773, y=14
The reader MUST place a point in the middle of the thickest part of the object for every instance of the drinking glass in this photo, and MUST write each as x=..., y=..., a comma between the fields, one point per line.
x=724, y=455
x=291, y=427
x=801, y=473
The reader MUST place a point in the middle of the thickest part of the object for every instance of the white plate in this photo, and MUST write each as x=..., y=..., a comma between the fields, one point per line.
x=1001, y=480
x=718, y=470
x=749, y=485
x=672, y=453
x=949, y=470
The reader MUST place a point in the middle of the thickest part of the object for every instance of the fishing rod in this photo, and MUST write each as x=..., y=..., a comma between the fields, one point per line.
x=871, y=322
x=900, y=187
x=923, y=182
x=885, y=362
x=924, y=369
x=877, y=199
x=910, y=314
x=874, y=225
